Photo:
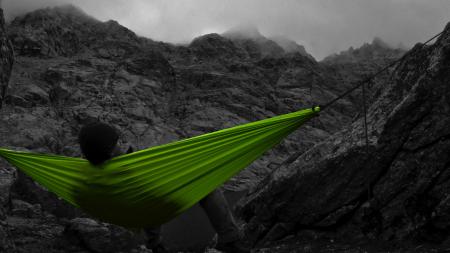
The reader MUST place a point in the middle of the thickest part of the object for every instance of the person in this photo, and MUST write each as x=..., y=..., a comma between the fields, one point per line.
x=99, y=143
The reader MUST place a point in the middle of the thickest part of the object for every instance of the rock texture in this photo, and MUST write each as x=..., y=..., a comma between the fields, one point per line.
x=6, y=173
x=6, y=59
x=396, y=188
x=71, y=69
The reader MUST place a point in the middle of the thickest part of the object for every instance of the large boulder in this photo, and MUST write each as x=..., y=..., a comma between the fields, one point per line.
x=100, y=237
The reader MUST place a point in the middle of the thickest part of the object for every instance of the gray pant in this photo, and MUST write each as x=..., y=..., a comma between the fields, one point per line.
x=219, y=214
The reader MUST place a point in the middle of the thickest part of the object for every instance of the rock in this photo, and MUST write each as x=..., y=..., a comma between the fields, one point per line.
x=152, y=65
x=25, y=209
x=98, y=237
x=29, y=96
x=213, y=46
x=7, y=178
x=39, y=234
x=279, y=231
x=440, y=217
x=6, y=59
x=5, y=243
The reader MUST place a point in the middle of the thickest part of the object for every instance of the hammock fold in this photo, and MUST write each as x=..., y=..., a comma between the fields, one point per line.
x=152, y=186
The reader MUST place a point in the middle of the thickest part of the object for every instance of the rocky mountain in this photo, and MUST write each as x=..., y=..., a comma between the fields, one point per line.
x=257, y=46
x=71, y=69
x=359, y=63
x=67, y=31
x=290, y=46
x=395, y=188
x=378, y=50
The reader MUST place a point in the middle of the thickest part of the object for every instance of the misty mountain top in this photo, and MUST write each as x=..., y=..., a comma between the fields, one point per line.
x=66, y=19
x=244, y=31
x=277, y=45
x=367, y=52
x=65, y=12
x=323, y=27
x=65, y=31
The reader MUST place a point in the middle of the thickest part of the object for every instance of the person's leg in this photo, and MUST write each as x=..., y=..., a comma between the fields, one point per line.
x=221, y=217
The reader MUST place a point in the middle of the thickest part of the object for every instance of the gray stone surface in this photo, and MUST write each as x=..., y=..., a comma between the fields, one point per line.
x=101, y=237
x=6, y=59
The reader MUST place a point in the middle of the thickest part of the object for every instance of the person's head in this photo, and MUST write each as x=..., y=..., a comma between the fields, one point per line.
x=97, y=142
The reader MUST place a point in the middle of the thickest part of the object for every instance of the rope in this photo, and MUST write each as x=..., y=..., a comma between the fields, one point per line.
x=365, y=116
x=369, y=191
x=369, y=79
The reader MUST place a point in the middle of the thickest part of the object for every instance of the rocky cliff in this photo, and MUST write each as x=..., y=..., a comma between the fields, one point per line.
x=71, y=69
x=6, y=59
x=396, y=188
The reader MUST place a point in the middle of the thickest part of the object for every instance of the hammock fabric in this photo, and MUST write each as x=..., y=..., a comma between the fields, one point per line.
x=152, y=186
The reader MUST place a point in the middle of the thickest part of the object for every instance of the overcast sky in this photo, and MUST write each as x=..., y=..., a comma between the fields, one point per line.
x=322, y=26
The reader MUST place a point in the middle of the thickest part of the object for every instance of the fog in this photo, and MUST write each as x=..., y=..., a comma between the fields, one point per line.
x=322, y=26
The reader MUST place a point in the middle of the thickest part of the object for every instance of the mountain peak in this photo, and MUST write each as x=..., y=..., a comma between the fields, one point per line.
x=378, y=42
x=64, y=30
x=60, y=13
x=367, y=52
x=290, y=46
x=68, y=10
x=245, y=31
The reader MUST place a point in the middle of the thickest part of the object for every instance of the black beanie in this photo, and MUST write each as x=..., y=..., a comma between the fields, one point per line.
x=97, y=141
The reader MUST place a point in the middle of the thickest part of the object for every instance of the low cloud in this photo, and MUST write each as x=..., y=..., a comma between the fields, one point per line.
x=322, y=26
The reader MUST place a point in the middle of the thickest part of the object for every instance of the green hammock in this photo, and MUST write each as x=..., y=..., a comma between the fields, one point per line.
x=152, y=186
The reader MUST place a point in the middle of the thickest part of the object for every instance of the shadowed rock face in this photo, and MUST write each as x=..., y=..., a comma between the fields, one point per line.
x=6, y=173
x=71, y=69
x=290, y=46
x=6, y=59
x=67, y=31
x=397, y=188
